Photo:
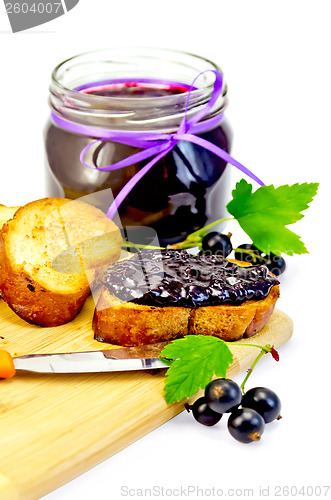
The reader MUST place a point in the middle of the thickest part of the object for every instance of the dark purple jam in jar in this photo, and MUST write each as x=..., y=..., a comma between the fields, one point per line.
x=139, y=91
x=127, y=88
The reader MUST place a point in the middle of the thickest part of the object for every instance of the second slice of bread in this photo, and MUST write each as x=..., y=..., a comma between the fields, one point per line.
x=29, y=243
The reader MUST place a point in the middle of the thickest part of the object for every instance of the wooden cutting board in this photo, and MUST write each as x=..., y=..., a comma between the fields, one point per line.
x=55, y=427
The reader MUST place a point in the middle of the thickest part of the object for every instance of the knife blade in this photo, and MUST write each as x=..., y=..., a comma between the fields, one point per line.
x=109, y=360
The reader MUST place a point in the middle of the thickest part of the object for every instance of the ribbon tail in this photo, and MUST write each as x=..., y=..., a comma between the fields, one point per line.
x=220, y=153
x=133, y=181
x=217, y=91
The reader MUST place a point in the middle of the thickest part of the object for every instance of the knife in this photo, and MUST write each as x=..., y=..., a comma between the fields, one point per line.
x=110, y=360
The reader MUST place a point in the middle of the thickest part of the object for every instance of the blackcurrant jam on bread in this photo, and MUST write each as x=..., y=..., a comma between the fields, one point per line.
x=163, y=295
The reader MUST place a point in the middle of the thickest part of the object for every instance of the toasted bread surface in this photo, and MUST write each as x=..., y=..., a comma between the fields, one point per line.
x=6, y=213
x=29, y=243
x=129, y=324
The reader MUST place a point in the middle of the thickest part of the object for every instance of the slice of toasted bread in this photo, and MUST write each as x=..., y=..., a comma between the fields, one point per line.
x=6, y=213
x=129, y=324
x=30, y=243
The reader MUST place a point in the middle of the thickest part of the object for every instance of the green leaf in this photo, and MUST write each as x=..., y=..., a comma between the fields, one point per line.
x=264, y=214
x=196, y=359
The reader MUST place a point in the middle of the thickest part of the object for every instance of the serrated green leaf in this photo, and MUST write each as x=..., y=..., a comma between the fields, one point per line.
x=264, y=214
x=196, y=359
x=243, y=190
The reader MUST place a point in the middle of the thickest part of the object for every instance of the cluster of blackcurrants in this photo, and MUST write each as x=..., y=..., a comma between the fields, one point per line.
x=248, y=413
x=216, y=243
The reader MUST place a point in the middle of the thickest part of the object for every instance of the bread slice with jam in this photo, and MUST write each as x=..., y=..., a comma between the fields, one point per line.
x=44, y=233
x=136, y=308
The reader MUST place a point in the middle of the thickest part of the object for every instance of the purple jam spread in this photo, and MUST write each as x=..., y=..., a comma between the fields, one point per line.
x=177, y=278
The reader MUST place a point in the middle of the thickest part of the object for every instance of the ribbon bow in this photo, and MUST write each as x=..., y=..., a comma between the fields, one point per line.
x=158, y=145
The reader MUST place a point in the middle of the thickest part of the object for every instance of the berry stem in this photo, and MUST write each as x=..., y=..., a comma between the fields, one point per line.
x=128, y=244
x=264, y=350
x=203, y=229
x=185, y=244
x=194, y=239
x=256, y=257
x=249, y=371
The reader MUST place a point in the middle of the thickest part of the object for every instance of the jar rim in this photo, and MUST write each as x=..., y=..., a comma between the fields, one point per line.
x=68, y=76
x=145, y=49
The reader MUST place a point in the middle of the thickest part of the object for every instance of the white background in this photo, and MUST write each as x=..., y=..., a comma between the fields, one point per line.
x=276, y=60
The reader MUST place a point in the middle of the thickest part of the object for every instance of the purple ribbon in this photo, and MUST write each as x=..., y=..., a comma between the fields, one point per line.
x=155, y=144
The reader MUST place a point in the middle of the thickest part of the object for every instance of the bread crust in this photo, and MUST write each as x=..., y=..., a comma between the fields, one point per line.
x=35, y=292
x=26, y=297
x=6, y=213
x=127, y=323
x=233, y=322
x=33, y=302
x=130, y=324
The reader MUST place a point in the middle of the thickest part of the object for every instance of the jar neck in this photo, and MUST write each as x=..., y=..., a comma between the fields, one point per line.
x=69, y=99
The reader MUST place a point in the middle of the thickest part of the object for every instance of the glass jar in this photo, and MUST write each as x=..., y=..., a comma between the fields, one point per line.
x=139, y=90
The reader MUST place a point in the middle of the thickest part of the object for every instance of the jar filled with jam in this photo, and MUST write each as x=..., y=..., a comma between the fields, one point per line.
x=138, y=91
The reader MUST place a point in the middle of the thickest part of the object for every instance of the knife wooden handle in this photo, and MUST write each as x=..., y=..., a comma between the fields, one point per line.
x=7, y=367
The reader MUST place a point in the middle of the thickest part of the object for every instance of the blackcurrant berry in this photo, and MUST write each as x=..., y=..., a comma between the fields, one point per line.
x=275, y=263
x=223, y=395
x=203, y=414
x=253, y=254
x=264, y=401
x=246, y=425
x=217, y=243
